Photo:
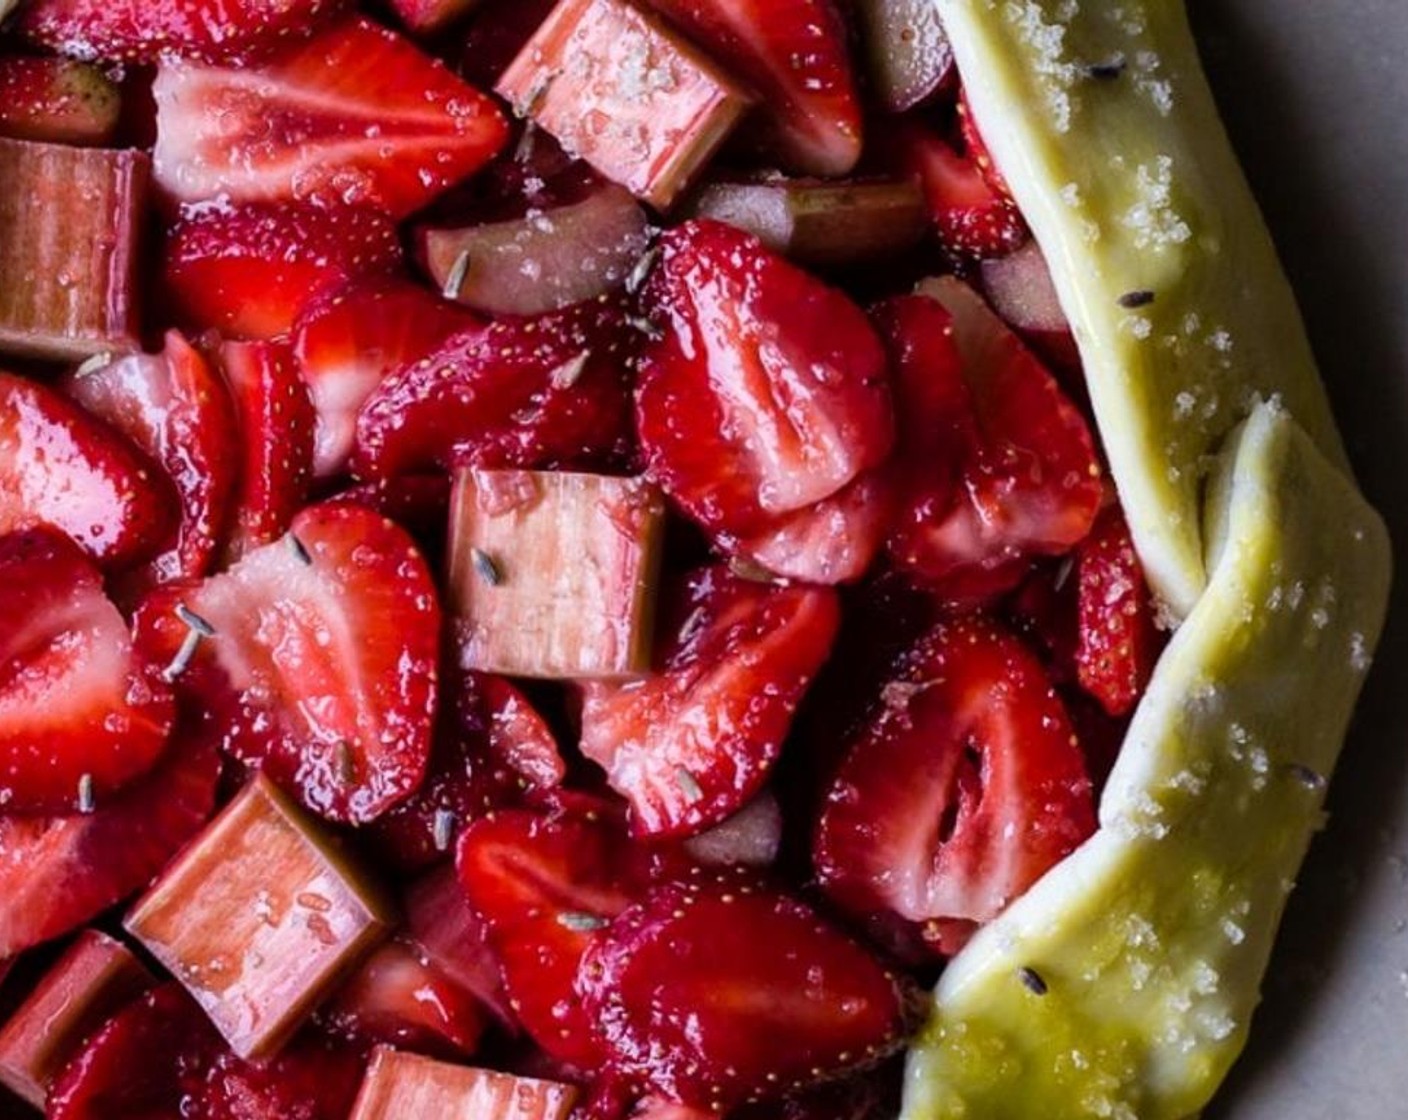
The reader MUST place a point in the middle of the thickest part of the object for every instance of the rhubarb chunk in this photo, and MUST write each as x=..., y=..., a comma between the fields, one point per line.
x=553, y=574
x=70, y=233
x=259, y=919
x=94, y=979
x=543, y=261
x=820, y=223
x=626, y=93
x=401, y=1085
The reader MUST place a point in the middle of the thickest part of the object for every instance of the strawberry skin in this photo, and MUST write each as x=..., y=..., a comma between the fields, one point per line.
x=351, y=339
x=968, y=732
x=58, y=872
x=719, y=990
x=552, y=390
x=249, y=271
x=1118, y=642
x=545, y=884
x=145, y=30
x=62, y=467
x=57, y=100
x=80, y=715
x=796, y=55
x=276, y=428
x=176, y=408
x=322, y=666
x=357, y=116
x=767, y=391
x=691, y=744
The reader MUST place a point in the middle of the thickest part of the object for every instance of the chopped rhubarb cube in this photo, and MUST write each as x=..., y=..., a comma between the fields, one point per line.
x=553, y=574
x=820, y=223
x=95, y=978
x=401, y=1085
x=70, y=233
x=57, y=99
x=545, y=260
x=260, y=918
x=626, y=93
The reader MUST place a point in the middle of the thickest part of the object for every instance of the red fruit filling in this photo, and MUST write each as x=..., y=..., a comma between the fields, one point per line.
x=603, y=633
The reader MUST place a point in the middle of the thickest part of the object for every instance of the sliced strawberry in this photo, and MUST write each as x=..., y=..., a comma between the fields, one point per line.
x=352, y=338
x=177, y=410
x=834, y=541
x=490, y=746
x=57, y=873
x=965, y=786
x=57, y=100
x=357, y=116
x=690, y=745
x=321, y=668
x=545, y=885
x=1119, y=642
x=720, y=990
x=80, y=714
x=251, y=270
x=276, y=426
x=160, y=1059
x=452, y=937
x=425, y=17
x=547, y=391
x=972, y=219
x=61, y=467
x=767, y=392
x=1024, y=477
x=145, y=30
x=399, y=999
x=796, y=54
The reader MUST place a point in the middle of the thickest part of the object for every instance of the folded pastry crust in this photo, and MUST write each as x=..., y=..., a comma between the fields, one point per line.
x=1150, y=941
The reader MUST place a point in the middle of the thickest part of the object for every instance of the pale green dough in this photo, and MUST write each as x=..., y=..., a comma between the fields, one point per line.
x=1130, y=185
x=1152, y=938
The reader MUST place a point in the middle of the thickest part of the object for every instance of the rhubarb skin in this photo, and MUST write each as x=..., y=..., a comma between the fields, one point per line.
x=398, y=1086
x=626, y=93
x=553, y=574
x=93, y=980
x=70, y=240
x=260, y=918
x=820, y=223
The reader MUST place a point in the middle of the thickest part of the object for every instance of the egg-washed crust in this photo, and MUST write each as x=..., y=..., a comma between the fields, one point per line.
x=1149, y=943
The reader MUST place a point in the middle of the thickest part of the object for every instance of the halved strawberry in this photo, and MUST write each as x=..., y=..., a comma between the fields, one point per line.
x=966, y=785
x=317, y=660
x=81, y=715
x=58, y=872
x=721, y=989
x=546, y=885
x=143, y=31
x=357, y=116
x=972, y=218
x=177, y=409
x=796, y=54
x=57, y=100
x=547, y=391
x=399, y=999
x=249, y=271
x=352, y=338
x=276, y=425
x=1118, y=643
x=834, y=541
x=490, y=747
x=1025, y=478
x=160, y=1059
x=60, y=466
x=767, y=392
x=690, y=745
